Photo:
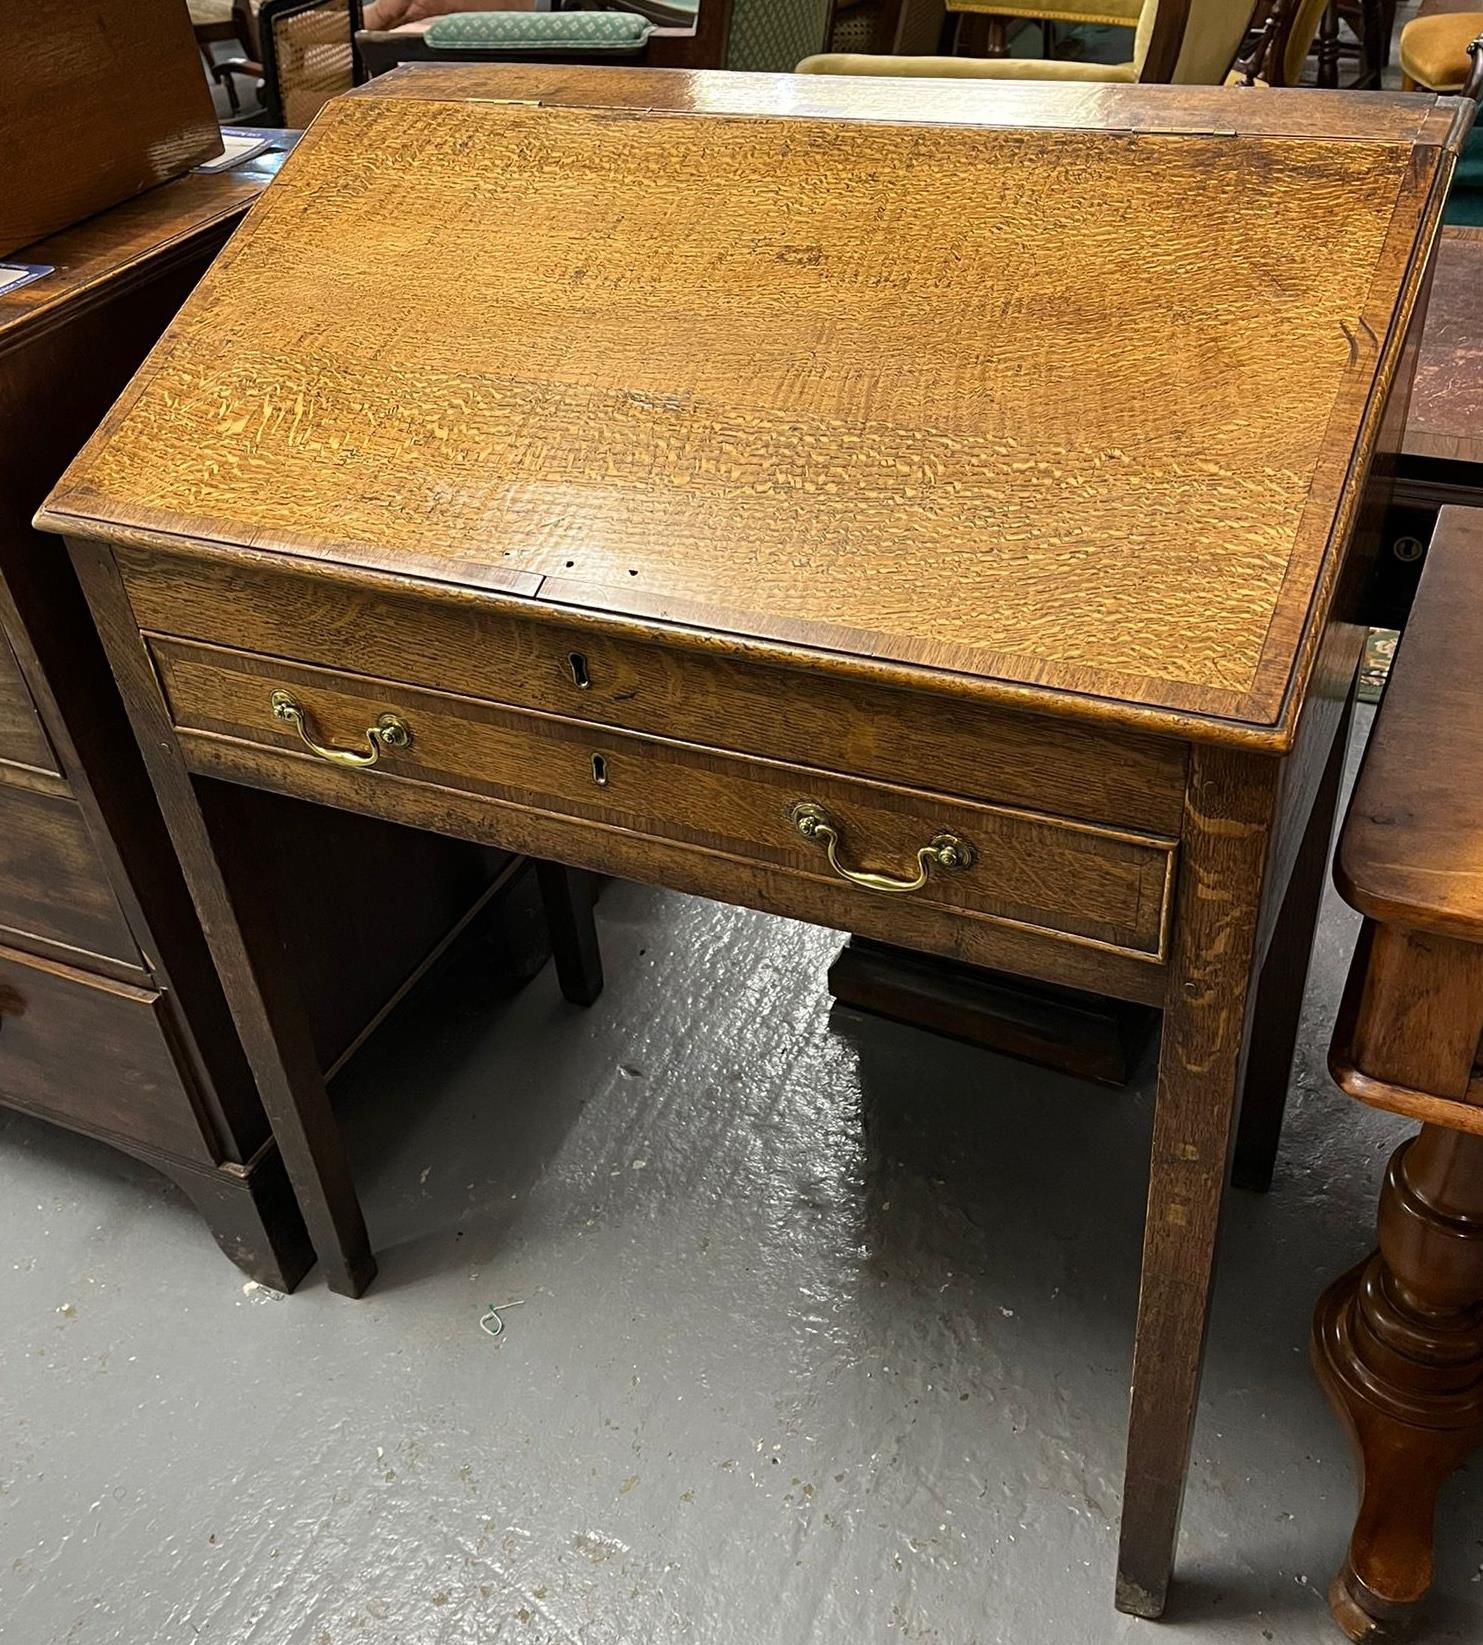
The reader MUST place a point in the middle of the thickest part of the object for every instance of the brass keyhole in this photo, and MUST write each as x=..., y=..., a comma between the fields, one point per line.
x=581, y=677
x=600, y=770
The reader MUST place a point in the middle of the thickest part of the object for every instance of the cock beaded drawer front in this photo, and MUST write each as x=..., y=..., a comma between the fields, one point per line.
x=1102, y=887
x=633, y=677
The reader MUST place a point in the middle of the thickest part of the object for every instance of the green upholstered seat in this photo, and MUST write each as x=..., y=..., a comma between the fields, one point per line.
x=617, y=31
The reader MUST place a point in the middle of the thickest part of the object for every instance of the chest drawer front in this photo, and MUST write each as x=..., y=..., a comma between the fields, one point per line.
x=533, y=659
x=93, y=1054
x=22, y=739
x=55, y=894
x=1095, y=885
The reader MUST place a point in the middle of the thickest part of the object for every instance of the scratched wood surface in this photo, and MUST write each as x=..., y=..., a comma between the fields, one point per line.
x=1013, y=103
x=1446, y=416
x=1075, y=410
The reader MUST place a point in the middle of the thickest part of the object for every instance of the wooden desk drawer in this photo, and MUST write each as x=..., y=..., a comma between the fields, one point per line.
x=524, y=656
x=55, y=895
x=1101, y=886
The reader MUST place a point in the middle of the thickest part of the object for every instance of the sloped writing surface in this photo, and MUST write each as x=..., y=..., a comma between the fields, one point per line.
x=1071, y=408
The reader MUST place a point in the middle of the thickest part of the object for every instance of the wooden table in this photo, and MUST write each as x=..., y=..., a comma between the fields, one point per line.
x=1441, y=456
x=925, y=510
x=1398, y=1341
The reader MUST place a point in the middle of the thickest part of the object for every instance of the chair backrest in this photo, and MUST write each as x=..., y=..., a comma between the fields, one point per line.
x=1191, y=42
x=903, y=28
x=773, y=35
x=1286, y=35
x=309, y=56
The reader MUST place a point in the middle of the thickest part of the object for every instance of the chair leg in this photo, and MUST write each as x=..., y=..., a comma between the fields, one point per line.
x=1328, y=47
x=1374, y=45
x=567, y=896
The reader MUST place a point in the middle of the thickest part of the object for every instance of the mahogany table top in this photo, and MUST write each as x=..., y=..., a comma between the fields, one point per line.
x=95, y=254
x=1445, y=420
x=1056, y=394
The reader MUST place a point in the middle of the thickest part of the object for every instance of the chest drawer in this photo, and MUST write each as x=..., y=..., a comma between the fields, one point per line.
x=527, y=656
x=1103, y=886
x=55, y=894
x=94, y=1054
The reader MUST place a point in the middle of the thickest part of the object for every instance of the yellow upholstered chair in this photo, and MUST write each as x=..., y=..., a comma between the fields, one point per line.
x=1182, y=42
x=1435, y=51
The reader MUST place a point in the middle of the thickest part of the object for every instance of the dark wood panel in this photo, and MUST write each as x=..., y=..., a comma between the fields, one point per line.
x=1409, y=853
x=22, y=739
x=1446, y=421
x=103, y=98
x=93, y=1051
x=54, y=888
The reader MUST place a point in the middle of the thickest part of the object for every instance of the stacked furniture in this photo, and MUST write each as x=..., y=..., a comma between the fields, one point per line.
x=1183, y=42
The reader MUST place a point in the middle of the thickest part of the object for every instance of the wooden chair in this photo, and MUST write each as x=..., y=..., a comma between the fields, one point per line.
x=1183, y=42
x=684, y=34
x=902, y=27
x=1439, y=52
x=1371, y=24
x=984, y=25
x=224, y=22
x=305, y=55
x=1398, y=1341
x=761, y=35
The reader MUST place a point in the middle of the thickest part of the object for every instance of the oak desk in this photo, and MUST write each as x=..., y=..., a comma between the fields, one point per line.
x=919, y=508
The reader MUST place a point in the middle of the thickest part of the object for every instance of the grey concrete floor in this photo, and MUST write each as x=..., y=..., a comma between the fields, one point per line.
x=825, y=1336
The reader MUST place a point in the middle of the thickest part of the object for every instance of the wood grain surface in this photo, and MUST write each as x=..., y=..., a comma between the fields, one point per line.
x=103, y=98
x=1106, y=887
x=1446, y=417
x=1086, y=405
x=1412, y=849
x=1381, y=117
x=524, y=655
x=136, y=240
x=22, y=737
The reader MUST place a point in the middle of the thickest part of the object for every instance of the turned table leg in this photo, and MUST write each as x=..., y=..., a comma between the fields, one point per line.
x=1398, y=1347
x=1398, y=1342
